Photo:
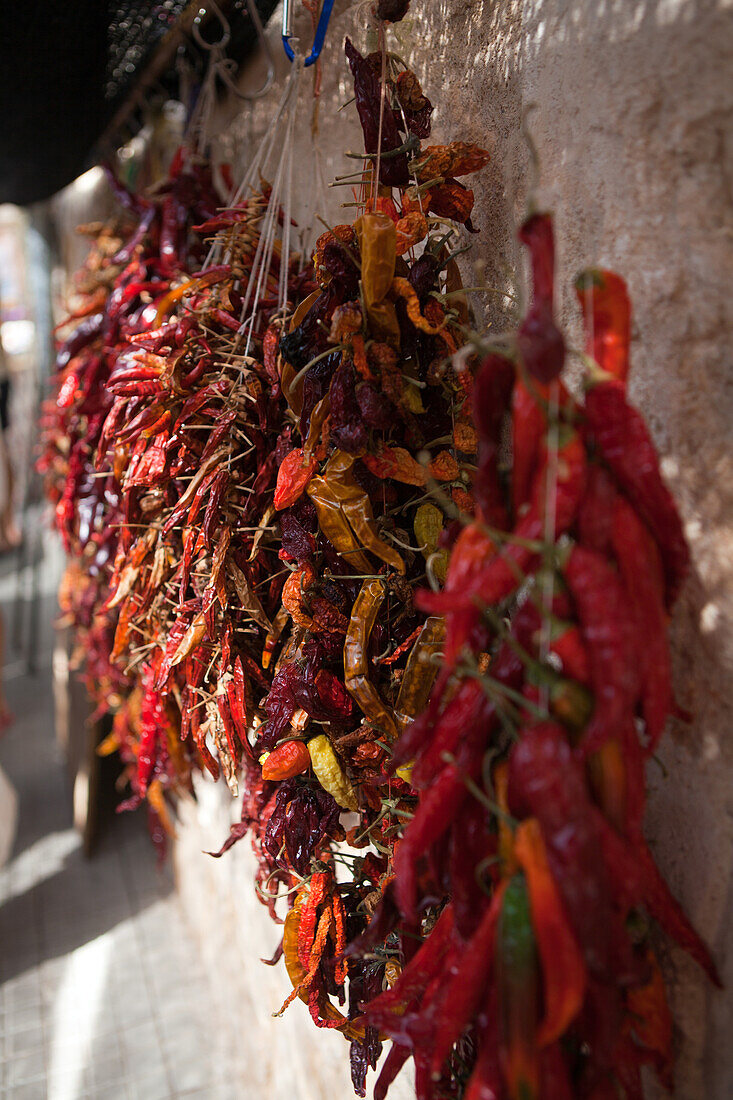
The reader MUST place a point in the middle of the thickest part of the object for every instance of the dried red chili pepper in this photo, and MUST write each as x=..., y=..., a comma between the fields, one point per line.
x=608, y=632
x=372, y=110
x=540, y=342
x=546, y=782
x=641, y=570
x=466, y=986
x=606, y=308
x=292, y=477
x=624, y=442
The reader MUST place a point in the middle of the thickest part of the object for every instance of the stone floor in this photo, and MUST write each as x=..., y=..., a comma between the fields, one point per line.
x=102, y=991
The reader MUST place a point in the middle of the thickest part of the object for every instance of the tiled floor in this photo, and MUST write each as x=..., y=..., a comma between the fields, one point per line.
x=101, y=991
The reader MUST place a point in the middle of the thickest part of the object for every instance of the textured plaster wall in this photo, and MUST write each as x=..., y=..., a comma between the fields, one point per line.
x=632, y=118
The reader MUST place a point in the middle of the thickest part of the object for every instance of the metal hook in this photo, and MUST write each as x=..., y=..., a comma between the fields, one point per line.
x=226, y=31
x=225, y=72
x=319, y=35
x=224, y=68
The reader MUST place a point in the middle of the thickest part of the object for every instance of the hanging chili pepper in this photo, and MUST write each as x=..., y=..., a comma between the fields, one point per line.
x=641, y=570
x=468, y=982
x=606, y=308
x=624, y=442
x=608, y=633
x=563, y=969
x=547, y=783
x=377, y=118
x=540, y=342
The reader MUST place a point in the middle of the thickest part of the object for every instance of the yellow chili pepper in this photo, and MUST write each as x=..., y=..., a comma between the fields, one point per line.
x=329, y=774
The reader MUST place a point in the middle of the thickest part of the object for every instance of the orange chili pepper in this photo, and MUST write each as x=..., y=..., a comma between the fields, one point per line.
x=563, y=967
x=289, y=759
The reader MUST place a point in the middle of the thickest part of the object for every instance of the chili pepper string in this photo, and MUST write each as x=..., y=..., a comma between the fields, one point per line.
x=549, y=531
x=382, y=104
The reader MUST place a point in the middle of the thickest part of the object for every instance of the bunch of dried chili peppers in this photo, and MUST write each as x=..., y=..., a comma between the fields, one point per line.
x=360, y=574
x=524, y=869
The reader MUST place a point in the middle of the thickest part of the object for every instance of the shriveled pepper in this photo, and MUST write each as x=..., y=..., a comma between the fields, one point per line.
x=356, y=658
x=602, y=606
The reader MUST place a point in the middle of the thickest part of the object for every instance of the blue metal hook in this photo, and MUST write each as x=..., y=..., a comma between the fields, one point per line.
x=320, y=31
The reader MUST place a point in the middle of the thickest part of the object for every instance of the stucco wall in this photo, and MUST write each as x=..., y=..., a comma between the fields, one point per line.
x=633, y=106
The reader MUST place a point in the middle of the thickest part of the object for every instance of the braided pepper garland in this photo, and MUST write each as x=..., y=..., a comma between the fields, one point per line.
x=279, y=514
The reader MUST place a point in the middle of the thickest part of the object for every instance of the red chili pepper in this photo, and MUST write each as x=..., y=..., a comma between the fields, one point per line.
x=270, y=346
x=602, y=606
x=151, y=720
x=230, y=729
x=466, y=985
x=490, y=578
x=225, y=319
x=624, y=441
x=528, y=425
x=486, y=1081
x=595, y=514
x=422, y=967
x=546, y=782
x=467, y=707
x=292, y=477
x=641, y=569
x=437, y=808
x=391, y=1066
x=606, y=308
x=212, y=516
x=148, y=388
x=636, y=879
x=472, y=844
x=540, y=341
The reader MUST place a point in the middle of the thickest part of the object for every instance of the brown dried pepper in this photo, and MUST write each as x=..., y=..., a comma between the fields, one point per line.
x=356, y=660
x=420, y=670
